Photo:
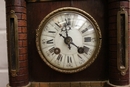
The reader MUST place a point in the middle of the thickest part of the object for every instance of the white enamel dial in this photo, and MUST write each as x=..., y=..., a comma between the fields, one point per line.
x=68, y=39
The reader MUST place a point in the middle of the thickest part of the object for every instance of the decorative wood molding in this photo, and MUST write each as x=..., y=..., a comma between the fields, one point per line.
x=44, y=0
x=112, y=85
x=29, y=85
x=70, y=84
x=39, y=0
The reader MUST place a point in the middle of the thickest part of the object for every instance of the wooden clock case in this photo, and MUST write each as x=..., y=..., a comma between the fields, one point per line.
x=27, y=69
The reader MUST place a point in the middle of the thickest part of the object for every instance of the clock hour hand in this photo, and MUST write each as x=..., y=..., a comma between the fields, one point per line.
x=66, y=40
x=62, y=36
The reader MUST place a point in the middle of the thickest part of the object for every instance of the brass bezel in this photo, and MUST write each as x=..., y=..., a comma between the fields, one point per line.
x=81, y=12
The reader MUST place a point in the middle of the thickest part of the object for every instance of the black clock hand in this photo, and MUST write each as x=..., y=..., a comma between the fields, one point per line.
x=74, y=45
x=80, y=49
x=62, y=36
x=66, y=40
x=66, y=28
x=65, y=25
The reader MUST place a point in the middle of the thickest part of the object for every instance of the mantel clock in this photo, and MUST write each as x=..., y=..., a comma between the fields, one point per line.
x=68, y=39
x=68, y=43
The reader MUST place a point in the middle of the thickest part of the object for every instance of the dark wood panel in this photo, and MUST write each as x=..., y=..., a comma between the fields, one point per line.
x=38, y=70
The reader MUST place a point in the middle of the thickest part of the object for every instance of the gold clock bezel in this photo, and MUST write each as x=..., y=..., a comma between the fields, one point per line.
x=91, y=20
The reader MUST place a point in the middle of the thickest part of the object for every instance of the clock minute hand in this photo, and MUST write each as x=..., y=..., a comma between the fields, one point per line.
x=68, y=41
x=79, y=49
x=74, y=45
x=66, y=28
x=65, y=25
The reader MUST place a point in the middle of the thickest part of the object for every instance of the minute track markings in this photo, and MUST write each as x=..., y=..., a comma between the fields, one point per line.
x=69, y=62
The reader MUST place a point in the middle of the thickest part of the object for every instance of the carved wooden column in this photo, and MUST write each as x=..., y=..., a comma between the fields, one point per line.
x=119, y=42
x=17, y=43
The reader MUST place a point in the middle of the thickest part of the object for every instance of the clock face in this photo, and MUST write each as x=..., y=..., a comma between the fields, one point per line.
x=68, y=39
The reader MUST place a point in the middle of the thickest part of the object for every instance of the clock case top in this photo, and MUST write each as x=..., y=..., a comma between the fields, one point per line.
x=38, y=70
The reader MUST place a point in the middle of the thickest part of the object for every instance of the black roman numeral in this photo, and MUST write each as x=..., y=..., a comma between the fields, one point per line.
x=79, y=56
x=58, y=25
x=50, y=41
x=86, y=49
x=51, y=31
x=68, y=21
x=59, y=58
x=83, y=31
x=87, y=39
x=69, y=60
x=51, y=50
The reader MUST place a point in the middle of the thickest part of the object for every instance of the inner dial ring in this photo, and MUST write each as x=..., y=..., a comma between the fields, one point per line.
x=71, y=27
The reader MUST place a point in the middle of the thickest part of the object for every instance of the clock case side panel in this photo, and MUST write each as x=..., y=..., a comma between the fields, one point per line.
x=17, y=43
x=38, y=70
x=118, y=76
